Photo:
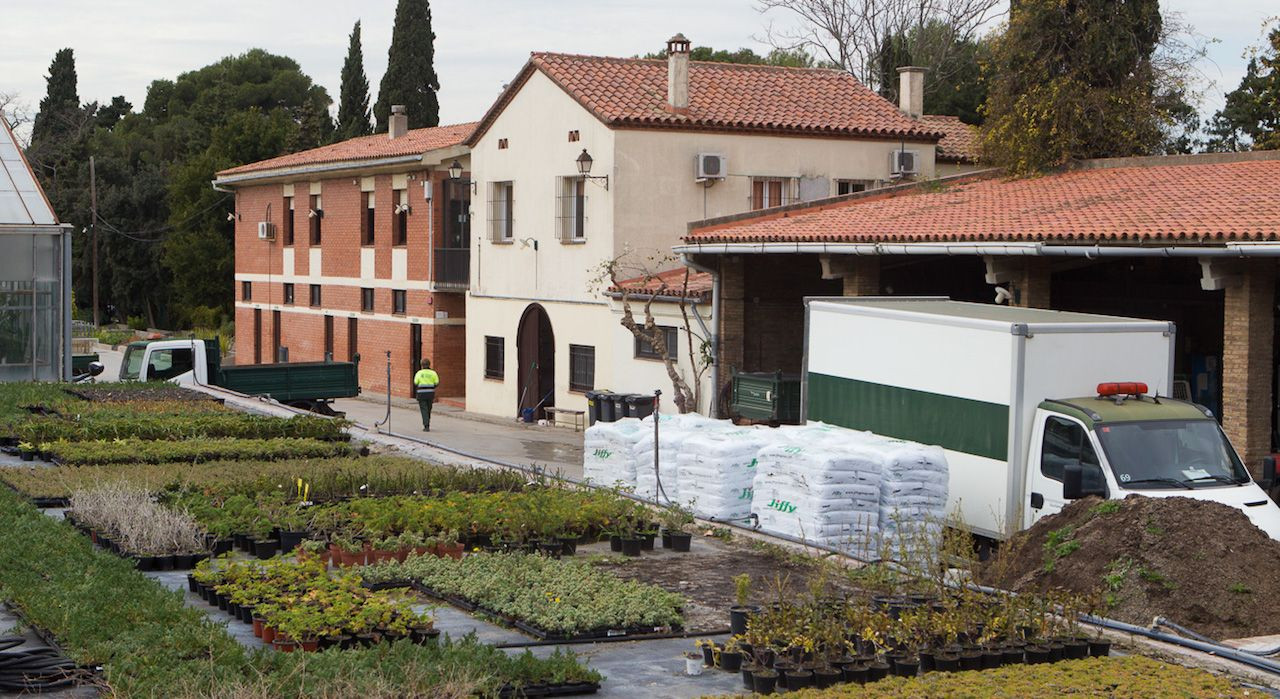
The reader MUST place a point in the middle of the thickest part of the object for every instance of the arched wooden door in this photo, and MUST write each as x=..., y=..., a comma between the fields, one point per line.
x=536, y=351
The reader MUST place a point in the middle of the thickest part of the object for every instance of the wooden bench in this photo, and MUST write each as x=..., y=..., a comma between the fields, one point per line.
x=579, y=416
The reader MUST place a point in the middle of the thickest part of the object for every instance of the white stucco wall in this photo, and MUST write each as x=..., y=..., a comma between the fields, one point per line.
x=651, y=198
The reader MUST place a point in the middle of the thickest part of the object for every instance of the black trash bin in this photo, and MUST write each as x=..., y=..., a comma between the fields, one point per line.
x=639, y=405
x=605, y=407
x=593, y=407
x=619, y=402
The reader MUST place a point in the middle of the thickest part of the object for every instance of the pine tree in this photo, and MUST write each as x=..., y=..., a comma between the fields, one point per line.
x=61, y=105
x=411, y=75
x=353, y=102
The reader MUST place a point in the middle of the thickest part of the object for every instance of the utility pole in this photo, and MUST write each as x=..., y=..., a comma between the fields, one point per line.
x=93, y=226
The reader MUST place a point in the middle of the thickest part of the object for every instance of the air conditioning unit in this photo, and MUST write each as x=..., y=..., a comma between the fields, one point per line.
x=266, y=230
x=711, y=166
x=904, y=162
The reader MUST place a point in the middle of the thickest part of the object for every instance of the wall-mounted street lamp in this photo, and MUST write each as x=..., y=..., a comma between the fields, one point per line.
x=584, y=162
x=455, y=174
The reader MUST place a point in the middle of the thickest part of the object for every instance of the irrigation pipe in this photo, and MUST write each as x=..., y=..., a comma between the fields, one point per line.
x=1161, y=621
x=1210, y=648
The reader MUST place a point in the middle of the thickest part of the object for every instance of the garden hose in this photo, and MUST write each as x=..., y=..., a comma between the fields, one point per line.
x=33, y=669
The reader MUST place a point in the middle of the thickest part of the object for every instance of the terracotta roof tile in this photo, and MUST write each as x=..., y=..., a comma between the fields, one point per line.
x=1188, y=201
x=414, y=142
x=632, y=93
x=960, y=145
x=670, y=283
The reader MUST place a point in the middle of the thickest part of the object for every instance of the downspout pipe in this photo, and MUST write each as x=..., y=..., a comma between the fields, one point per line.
x=714, y=333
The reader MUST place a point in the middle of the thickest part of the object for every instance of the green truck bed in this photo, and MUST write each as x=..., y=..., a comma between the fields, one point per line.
x=771, y=396
x=289, y=382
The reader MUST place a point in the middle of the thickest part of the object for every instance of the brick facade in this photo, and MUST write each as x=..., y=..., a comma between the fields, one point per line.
x=1032, y=284
x=1247, y=371
x=438, y=314
x=862, y=276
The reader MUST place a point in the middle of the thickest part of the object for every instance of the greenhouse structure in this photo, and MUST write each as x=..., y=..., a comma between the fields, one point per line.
x=35, y=275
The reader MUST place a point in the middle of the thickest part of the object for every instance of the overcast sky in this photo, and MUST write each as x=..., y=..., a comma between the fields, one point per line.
x=122, y=45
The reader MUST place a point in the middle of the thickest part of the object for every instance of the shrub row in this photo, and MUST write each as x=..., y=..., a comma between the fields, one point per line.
x=1133, y=677
x=556, y=596
x=142, y=451
x=150, y=644
x=40, y=430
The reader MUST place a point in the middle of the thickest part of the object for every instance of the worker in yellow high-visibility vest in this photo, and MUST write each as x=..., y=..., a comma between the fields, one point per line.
x=425, y=382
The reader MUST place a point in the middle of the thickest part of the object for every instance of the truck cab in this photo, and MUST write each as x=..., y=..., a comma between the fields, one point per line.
x=179, y=361
x=1121, y=442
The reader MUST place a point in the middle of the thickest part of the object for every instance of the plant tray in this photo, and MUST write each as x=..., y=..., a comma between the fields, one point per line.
x=549, y=690
x=539, y=633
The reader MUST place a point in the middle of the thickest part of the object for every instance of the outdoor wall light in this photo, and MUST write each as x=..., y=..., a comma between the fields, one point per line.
x=455, y=174
x=584, y=162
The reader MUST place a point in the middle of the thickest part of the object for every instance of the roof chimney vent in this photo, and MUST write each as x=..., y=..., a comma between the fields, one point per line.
x=398, y=124
x=911, y=90
x=678, y=74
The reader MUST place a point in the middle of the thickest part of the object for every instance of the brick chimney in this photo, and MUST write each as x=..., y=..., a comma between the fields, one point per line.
x=678, y=74
x=911, y=90
x=398, y=124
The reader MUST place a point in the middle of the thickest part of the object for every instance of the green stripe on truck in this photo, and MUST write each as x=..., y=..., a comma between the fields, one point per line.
x=959, y=424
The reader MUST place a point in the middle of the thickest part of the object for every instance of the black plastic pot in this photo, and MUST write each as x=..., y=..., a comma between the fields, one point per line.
x=764, y=681
x=971, y=660
x=568, y=545
x=233, y=609
x=246, y=615
x=666, y=540
x=798, y=679
x=1099, y=649
x=28, y=456
x=825, y=677
x=708, y=656
x=730, y=661
x=290, y=540
x=631, y=547
x=265, y=549
x=164, y=562
x=1057, y=652
x=926, y=661
x=994, y=658
x=551, y=549
x=145, y=562
x=748, y=676
x=222, y=546
x=1011, y=655
x=615, y=543
x=680, y=542
x=241, y=541
x=223, y=602
x=183, y=561
x=646, y=542
x=191, y=583
x=946, y=662
x=1037, y=655
x=877, y=671
x=856, y=672
x=906, y=667
x=738, y=617
x=1075, y=650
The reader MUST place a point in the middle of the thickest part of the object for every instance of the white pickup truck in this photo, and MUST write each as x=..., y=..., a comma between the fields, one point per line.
x=1033, y=408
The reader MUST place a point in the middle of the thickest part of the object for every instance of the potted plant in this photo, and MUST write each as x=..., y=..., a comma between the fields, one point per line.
x=675, y=522
x=731, y=654
x=27, y=450
x=741, y=611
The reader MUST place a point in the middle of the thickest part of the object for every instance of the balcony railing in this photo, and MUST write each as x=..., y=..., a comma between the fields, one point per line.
x=453, y=267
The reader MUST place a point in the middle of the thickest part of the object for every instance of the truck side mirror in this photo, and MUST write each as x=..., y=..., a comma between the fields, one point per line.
x=1268, y=472
x=1073, y=487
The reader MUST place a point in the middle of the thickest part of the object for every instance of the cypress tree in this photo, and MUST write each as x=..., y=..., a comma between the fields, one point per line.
x=353, y=102
x=61, y=101
x=411, y=75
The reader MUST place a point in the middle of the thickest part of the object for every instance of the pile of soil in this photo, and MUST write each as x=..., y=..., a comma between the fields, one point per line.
x=1201, y=564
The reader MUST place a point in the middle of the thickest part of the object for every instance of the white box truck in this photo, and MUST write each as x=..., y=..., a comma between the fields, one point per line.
x=1033, y=407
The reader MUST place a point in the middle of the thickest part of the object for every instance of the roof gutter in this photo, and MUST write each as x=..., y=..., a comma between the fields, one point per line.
x=1239, y=250
x=315, y=169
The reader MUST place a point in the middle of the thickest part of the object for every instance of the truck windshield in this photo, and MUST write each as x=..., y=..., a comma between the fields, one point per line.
x=1171, y=454
x=131, y=367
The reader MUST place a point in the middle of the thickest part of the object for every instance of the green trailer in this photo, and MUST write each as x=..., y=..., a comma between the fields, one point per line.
x=80, y=363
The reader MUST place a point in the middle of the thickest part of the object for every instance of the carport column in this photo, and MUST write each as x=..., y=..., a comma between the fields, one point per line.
x=1033, y=283
x=862, y=276
x=1248, y=325
x=733, y=291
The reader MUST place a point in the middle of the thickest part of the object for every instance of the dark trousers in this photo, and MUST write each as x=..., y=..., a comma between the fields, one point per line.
x=425, y=399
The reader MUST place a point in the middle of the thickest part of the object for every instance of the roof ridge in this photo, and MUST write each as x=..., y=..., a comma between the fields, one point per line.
x=716, y=64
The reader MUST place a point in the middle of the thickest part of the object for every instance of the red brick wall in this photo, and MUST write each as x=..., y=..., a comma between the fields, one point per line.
x=302, y=327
